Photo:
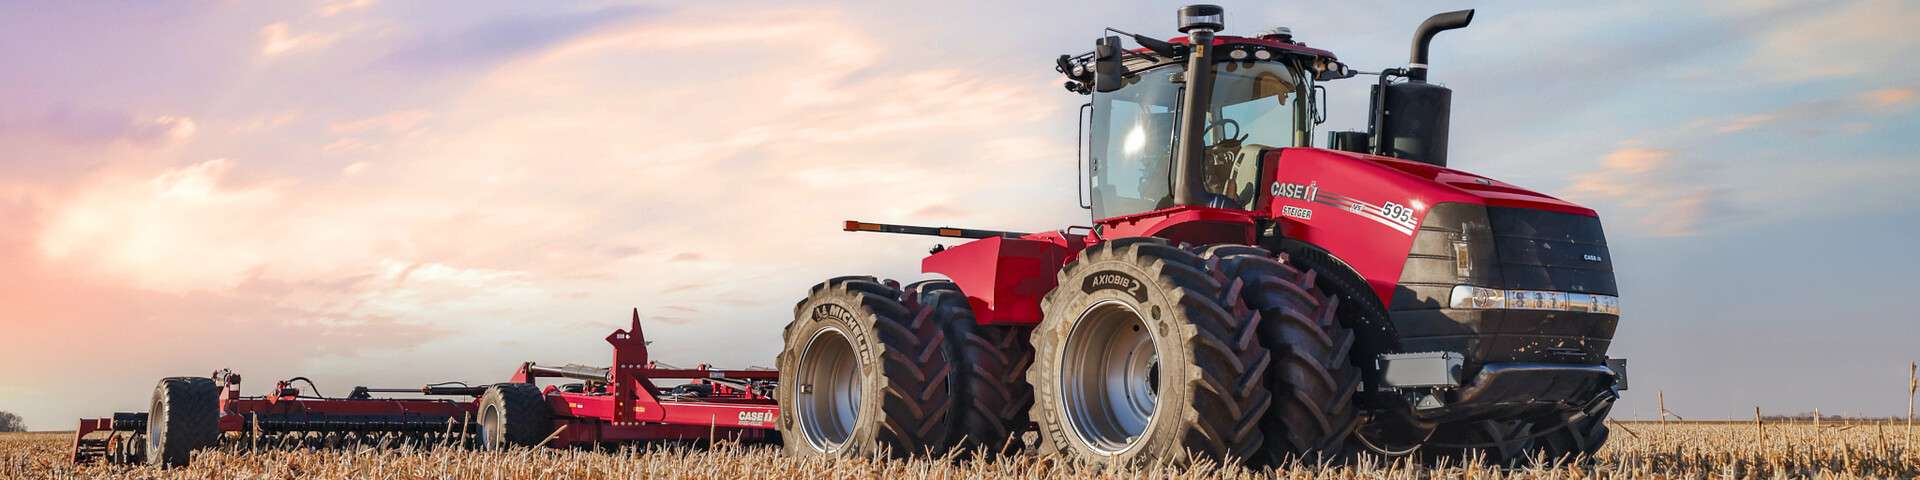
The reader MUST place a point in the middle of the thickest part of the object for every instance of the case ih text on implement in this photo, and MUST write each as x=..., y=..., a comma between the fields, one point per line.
x=1241, y=296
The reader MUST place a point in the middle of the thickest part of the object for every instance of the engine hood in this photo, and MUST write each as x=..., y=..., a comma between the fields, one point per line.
x=1490, y=191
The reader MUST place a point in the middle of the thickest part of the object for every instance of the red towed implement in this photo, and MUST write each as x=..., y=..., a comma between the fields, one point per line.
x=621, y=403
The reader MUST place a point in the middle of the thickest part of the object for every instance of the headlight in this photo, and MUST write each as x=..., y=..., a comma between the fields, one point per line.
x=1481, y=298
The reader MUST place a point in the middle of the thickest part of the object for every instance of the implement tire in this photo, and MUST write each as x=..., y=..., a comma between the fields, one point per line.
x=1312, y=380
x=1143, y=357
x=989, y=380
x=514, y=415
x=1497, y=442
x=184, y=416
x=1577, y=442
x=863, y=375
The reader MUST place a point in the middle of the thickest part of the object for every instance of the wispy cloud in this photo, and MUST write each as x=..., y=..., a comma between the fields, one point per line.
x=505, y=39
x=1889, y=98
x=277, y=39
x=1840, y=40
x=97, y=127
x=337, y=7
x=401, y=121
x=1820, y=115
x=1648, y=187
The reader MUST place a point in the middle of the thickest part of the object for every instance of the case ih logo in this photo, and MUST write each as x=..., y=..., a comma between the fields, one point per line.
x=1393, y=215
x=1297, y=191
x=756, y=418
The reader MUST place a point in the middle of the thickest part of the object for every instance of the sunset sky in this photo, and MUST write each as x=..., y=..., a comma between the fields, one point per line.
x=398, y=193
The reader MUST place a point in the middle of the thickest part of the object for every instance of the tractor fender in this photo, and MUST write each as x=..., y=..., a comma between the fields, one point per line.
x=1004, y=278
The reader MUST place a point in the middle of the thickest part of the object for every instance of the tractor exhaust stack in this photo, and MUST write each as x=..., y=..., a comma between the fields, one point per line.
x=1410, y=119
x=1423, y=36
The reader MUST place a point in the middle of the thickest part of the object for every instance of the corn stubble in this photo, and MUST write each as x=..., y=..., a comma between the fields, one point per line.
x=1637, y=450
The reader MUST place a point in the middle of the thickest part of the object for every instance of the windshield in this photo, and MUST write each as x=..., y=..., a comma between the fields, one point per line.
x=1134, y=131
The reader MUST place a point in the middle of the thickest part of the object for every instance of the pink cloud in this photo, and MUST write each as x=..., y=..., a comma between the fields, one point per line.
x=401, y=121
x=342, y=6
x=277, y=39
x=1889, y=98
x=1646, y=185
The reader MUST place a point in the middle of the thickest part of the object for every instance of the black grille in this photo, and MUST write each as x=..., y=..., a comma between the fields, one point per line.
x=1542, y=250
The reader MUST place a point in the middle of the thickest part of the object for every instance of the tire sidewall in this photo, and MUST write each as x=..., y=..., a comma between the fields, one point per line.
x=1095, y=283
x=836, y=309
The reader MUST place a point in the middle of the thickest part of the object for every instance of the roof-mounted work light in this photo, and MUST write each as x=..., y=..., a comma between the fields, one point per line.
x=1202, y=17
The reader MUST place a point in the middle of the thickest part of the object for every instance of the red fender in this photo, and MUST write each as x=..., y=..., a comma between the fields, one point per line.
x=1005, y=278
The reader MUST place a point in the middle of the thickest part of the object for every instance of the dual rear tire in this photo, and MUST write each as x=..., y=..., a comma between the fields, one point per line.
x=1147, y=352
x=871, y=368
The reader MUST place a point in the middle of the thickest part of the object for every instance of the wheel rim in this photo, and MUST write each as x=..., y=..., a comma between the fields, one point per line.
x=1109, y=378
x=156, y=427
x=489, y=427
x=829, y=395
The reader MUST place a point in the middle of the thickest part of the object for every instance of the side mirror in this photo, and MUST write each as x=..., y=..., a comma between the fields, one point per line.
x=1109, y=74
x=1319, y=104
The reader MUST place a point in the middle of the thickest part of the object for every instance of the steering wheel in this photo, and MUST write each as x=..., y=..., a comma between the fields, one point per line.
x=1224, y=130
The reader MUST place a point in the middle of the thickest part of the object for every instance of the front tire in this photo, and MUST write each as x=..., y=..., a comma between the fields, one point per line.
x=184, y=416
x=1143, y=357
x=861, y=374
x=1312, y=379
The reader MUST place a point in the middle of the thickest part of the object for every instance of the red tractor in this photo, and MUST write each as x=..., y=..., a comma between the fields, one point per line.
x=1241, y=295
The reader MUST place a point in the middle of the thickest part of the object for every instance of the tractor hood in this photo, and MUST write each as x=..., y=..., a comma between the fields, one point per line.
x=1491, y=192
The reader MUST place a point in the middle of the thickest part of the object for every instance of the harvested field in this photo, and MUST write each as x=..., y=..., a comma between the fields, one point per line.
x=1637, y=450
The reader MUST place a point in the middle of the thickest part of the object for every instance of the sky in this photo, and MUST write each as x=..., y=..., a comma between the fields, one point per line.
x=391, y=193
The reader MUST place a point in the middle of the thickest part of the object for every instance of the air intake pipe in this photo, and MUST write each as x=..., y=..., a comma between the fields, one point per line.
x=1189, y=162
x=1410, y=118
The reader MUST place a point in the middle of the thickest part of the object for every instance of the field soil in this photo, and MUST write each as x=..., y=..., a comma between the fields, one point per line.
x=1637, y=450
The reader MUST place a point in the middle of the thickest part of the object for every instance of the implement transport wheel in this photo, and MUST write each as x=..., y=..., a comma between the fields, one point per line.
x=1575, y=443
x=184, y=416
x=1497, y=442
x=1312, y=380
x=1144, y=357
x=514, y=415
x=989, y=379
x=861, y=374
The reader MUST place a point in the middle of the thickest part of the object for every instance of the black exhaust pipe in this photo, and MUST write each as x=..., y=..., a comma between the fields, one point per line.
x=1423, y=36
x=1410, y=119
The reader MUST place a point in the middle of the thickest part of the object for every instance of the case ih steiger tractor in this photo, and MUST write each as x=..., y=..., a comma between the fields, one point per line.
x=1241, y=294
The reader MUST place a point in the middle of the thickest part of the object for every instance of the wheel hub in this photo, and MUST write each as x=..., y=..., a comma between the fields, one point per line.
x=1110, y=377
x=828, y=400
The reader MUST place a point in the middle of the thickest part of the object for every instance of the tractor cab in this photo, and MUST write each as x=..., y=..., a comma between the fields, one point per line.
x=1261, y=97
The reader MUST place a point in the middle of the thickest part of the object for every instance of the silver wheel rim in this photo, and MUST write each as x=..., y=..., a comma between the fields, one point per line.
x=156, y=426
x=1109, y=377
x=488, y=418
x=828, y=400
